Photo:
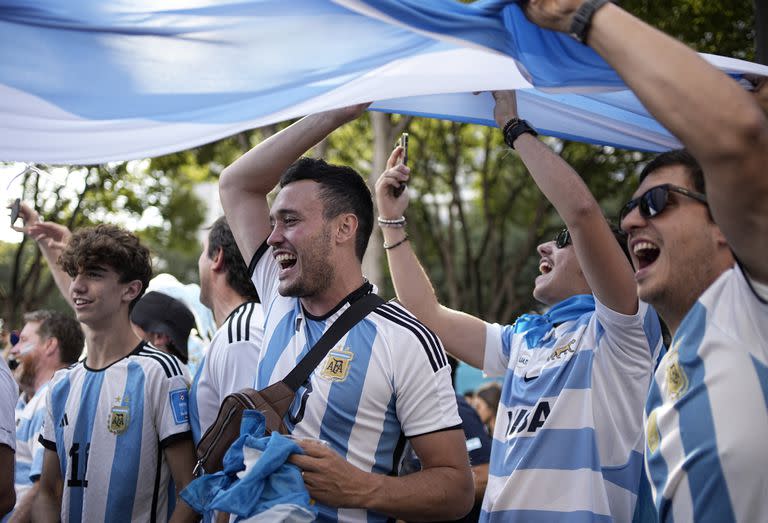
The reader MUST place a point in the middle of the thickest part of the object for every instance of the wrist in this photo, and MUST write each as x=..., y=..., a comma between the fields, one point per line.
x=581, y=21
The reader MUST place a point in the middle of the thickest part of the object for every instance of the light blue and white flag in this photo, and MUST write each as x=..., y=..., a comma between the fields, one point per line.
x=89, y=81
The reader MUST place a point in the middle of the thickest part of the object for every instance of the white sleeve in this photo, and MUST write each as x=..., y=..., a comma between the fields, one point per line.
x=499, y=341
x=637, y=335
x=9, y=395
x=627, y=347
x=48, y=432
x=264, y=270
x=426, y=401
x=233, y=367
x=170, y=402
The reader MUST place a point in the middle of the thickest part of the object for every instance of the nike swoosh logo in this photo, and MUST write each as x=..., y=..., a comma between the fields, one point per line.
x=527, y=379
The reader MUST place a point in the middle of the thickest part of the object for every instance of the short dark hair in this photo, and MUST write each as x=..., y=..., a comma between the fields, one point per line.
x=673, y=158
x=342, y=190
x=66, y=330
x=112, y=246
x=684, y=159
x=220, y=237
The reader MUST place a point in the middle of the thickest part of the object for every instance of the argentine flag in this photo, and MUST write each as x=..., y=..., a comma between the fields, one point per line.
x=89, y=81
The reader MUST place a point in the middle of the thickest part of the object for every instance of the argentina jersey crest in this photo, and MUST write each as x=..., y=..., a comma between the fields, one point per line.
x=337, y=364
x=119, y=418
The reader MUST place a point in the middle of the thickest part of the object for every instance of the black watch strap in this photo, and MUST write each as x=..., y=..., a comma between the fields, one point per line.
x=514, y=128
x=582, y=20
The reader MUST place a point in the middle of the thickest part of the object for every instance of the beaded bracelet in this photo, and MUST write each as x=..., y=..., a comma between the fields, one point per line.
x=397, y=222
x=392, y=246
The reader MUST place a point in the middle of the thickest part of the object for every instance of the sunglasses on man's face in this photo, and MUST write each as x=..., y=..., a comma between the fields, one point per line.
x=653, y=201
x=563, y=239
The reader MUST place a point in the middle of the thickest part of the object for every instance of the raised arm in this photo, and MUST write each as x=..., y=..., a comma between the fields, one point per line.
x=244, y=185
x=716, y=119
x=462, y=335
x=606, y=268
x=51, y=238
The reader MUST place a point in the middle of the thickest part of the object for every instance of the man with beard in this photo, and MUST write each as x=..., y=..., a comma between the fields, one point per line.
x=48, y=342
x=388, y=378
x=707, y=412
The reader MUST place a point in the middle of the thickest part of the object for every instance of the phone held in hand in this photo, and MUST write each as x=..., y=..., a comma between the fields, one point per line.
x=404, y=144
x=15, y=209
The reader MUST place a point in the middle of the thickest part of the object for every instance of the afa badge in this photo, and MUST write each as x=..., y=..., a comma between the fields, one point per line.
x=337, y=364
x=676, y=380
x=119, y=418
x=652, y=435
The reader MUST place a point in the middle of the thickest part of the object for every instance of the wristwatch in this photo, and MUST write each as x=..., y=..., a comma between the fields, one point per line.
x=582, y=20
x=514, y=128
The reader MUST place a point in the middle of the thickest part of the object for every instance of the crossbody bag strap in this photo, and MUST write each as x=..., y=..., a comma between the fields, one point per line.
x=349, y=318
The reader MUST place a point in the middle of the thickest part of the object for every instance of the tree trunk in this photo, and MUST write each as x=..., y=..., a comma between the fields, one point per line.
x=383, y=138
x=761, y=31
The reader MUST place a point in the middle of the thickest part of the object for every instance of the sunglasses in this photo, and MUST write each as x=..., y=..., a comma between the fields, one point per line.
x=563, y=239
x=653, y=201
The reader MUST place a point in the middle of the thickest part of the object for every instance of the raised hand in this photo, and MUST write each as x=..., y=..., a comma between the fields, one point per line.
x=551, y=14
x=505, y=108
x=390, y=206
x=28, y=216
x=53, y=235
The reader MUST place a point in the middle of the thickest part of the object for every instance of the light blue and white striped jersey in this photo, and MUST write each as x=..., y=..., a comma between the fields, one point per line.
x=707, y=412
x=29, y=452
x=568, y=442
x=228, y=366
x=109, y=428
x=387, y=379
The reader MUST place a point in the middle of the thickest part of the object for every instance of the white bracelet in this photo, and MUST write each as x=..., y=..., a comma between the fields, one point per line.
x=397, y=222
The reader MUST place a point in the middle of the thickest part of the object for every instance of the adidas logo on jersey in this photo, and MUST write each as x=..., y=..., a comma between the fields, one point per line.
x=64, y=421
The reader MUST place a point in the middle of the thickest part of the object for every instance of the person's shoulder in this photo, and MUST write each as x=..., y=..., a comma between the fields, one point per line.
x=402, y=330
x=153, y=360
x=244, y=324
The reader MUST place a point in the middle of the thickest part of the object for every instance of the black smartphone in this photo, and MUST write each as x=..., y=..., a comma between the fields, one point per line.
x=404, y=144
x=15, y=208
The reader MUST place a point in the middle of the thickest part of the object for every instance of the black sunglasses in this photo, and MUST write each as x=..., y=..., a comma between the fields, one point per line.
x=653, y=201
x=563, y=239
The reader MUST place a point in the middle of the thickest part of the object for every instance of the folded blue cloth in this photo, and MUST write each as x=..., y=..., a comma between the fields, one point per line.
x=270, y=483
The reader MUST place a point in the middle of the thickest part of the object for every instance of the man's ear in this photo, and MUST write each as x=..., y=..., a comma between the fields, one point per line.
x=50, y=346
x=720, y=238
x=132, y=289
x=346, y=229
x=218, y=260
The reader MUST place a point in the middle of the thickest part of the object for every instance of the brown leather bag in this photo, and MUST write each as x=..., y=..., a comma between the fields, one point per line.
x=275, y=400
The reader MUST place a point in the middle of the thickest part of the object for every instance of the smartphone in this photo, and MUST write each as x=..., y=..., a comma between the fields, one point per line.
x=404, y=160
x=15, y=208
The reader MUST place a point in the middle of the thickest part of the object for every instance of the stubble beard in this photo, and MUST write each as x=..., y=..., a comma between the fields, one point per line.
x=317, y=271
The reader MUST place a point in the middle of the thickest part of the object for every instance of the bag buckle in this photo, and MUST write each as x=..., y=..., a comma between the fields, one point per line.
x=198, y=470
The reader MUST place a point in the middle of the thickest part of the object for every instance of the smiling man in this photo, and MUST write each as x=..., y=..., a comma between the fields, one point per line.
x=575, y=378
x=388, y=379
x=117, y=424
x=707, y=413
x=48, y=342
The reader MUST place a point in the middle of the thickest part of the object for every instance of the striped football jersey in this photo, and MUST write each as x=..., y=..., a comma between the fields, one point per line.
x=228, y=366
x=29, y=451
x=386, y=380
x=109, y=428
x=567, y=445
x=707, y=411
